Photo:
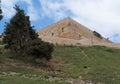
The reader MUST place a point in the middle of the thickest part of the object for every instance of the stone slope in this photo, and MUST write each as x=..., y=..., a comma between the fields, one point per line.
x=70, y=32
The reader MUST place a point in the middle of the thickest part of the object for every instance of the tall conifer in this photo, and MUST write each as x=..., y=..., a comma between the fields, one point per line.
x=19, y=31
x=0, y=11
x=20, y=37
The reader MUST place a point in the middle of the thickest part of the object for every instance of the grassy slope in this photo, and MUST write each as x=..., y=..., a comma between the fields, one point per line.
x=92, y=63
x=98, y=64
x=14, y=71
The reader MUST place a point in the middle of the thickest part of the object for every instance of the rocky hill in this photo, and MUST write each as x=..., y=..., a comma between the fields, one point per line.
x=70, y=32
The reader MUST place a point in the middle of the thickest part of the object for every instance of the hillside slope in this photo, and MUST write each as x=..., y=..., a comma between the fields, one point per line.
x=97, y=63
x=70, y=65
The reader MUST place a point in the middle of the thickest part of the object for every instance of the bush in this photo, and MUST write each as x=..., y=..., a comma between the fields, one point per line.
x=0, y=42
x=39, y=49
x=97, y=34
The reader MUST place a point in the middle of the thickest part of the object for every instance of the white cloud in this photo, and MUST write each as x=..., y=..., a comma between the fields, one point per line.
x=7, y=7
x=53, y=9
x=8, y=11
x=32, y=12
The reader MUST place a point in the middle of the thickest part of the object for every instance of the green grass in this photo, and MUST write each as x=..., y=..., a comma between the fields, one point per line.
x=96, y=64
x=15, y=71
x=21, y=80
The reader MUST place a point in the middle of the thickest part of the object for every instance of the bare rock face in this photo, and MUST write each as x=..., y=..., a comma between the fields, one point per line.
x=70, y=32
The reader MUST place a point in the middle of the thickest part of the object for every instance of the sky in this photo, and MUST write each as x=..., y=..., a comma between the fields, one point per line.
x=102, y=16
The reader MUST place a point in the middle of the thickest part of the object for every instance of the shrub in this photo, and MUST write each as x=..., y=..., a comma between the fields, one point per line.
x=39, y=49
x=97, y=34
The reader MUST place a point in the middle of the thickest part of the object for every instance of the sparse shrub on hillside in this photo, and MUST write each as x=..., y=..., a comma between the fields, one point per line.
x=56, y=44
x=97, y=34
x=99, y=47
x=0, y=42
x=111, y=50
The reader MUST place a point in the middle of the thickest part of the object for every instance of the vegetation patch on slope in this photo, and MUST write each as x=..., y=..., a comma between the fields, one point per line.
x=69, y=65
x=96, y=63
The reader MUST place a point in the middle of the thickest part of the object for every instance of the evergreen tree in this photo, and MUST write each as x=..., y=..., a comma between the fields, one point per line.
x=19, y=31
x=20, y=37
x=0, y=11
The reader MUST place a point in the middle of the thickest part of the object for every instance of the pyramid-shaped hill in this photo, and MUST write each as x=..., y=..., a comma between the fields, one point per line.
x=70, y=32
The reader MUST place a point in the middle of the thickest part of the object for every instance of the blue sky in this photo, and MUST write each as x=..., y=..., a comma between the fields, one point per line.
x=102, y=16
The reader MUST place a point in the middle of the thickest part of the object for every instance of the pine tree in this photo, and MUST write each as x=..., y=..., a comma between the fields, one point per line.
x=19, y=31
x=21, y=38
x=0, y=11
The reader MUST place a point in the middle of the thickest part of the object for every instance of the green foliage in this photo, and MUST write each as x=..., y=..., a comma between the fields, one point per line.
x=97, y=34
x=103, y=67
x=16, y=32
x=40, y=49
x=102, y=63
x=19, y=72
x=21, y=38
x=0, y=11
x=25, y=80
